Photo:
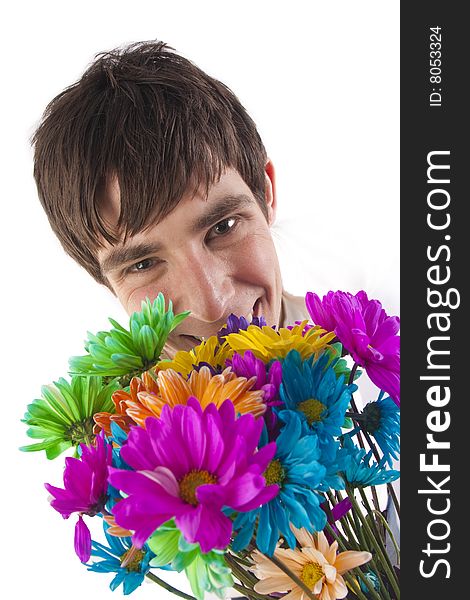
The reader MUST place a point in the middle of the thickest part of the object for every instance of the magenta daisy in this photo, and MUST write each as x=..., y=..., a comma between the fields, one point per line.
x=85, y=490
x=188, y=465
x=366, y=332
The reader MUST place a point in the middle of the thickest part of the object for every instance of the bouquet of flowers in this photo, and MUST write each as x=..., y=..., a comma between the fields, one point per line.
x=244, y=462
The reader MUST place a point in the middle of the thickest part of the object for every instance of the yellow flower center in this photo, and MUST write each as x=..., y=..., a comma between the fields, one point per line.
x=312, y=409
x=81, y=432
x=311, y=574
x=132, y=558
x=191, y=481
x=274, y=473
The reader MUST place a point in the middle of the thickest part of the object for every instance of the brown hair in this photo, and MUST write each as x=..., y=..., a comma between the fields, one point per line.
x=154, y=120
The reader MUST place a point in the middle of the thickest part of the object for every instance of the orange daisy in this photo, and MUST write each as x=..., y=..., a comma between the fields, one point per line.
x=122, y=400
x=174, y=388
x=147, y=396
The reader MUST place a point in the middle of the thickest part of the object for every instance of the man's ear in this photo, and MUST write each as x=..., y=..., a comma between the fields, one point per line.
x=270, y=191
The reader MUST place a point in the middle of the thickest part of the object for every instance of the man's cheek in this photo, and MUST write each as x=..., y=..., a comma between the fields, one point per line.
x=255, y=251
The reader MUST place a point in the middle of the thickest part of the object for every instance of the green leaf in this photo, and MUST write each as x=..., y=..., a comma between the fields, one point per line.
x=164, y=544
x=197, y=575
x=183, y=559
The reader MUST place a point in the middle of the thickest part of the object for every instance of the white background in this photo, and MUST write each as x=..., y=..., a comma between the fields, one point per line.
x=321, y=81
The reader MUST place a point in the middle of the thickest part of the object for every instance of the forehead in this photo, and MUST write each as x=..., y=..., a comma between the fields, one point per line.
x=229, y=184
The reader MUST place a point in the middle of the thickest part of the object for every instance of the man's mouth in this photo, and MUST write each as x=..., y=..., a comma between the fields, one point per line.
x=193, y=338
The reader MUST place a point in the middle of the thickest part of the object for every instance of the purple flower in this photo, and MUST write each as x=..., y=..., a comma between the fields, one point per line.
x=267, y=379
x=85, y=490
x=82, y=540
x=366, y=332
x=321, y=311
x=235, y=324
x=189, y=464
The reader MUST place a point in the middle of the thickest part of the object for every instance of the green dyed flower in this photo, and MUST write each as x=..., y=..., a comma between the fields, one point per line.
x=340, y=366
x=121, y=352
x=63, y=416
x=205, y=572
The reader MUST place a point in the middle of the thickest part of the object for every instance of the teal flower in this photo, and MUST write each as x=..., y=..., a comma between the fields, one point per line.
x=63, y=416
x=359, y=471
x=120, y=557
x=312, y=389
x=299, y=474
x=382, y=420
x=206, y=572
x=373, y=579
x=124, y=353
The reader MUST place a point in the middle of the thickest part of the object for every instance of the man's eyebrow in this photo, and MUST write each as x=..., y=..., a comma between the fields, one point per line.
x=125, y=254
x=220, y=209
x=121, y=255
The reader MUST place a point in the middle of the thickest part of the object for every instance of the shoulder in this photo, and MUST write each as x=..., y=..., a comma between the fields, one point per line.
x=293, y=309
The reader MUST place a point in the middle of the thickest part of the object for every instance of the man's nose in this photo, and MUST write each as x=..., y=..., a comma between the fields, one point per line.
x=204, y=286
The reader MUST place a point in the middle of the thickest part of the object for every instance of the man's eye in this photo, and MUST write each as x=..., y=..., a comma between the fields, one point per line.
x=142, y=265
x=224, y=226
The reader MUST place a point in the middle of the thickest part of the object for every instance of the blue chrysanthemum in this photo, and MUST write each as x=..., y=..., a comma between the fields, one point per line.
x=382, y=420
x=296, y=469
x=314, y=390
x=360, y=472
x=120, y=557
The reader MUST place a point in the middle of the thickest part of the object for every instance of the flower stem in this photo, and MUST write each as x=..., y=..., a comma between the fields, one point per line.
x=169, y=587
x=247, y=580
x=353, y=373
x=377, y=458
x=350, y=537
x=378, y=537
x=367, y=544
x=396, y=503
x=373, y=593
x=356, y=590
x=390, y=533
x=244, y=576
x=371, y=445
x=349, y=524
x=249, y=593
x=372, y=537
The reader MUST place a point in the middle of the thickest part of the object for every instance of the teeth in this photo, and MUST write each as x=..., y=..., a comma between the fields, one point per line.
x=195, y=337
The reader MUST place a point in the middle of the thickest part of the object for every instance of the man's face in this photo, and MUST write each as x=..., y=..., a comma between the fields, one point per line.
x=212, y=257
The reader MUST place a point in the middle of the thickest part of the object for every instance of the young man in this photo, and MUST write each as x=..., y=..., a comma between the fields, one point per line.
x=155, y=179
